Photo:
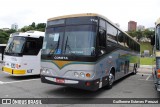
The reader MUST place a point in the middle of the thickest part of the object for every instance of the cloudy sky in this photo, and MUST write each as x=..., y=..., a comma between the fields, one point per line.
x=24, y=12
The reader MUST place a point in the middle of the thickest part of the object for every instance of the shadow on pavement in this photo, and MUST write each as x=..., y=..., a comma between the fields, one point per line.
x=22, y=77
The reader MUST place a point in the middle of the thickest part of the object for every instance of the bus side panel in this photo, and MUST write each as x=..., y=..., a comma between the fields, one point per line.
x=27, y=65
x=121, y=61
x=31, y=63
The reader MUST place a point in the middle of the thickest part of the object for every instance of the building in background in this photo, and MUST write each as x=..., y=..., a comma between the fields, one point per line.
x=14, y=26
x=5, y=29
x=132, y=25
x=140, y=28
x=151, y=29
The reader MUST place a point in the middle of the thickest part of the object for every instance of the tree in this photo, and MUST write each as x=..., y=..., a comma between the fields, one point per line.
x=139, y=35
x=3, y=37
x=147, y=33
x=41, y=25
x=33, y=25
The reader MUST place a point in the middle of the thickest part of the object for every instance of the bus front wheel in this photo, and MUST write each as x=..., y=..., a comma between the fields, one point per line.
x=110, y=81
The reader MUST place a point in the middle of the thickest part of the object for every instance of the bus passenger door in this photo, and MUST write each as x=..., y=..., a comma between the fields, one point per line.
x=101, y=51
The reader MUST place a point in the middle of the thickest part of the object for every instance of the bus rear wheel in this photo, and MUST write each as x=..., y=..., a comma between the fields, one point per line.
x=134, y=70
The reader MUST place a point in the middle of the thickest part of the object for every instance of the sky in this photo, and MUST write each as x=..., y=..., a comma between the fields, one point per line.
x=24, y=12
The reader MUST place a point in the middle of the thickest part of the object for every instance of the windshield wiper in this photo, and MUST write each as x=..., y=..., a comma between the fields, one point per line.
x=67, y=46
x=54, y=48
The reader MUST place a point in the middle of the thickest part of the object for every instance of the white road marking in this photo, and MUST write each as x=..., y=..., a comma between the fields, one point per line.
x=17, y=81
x=148, y=77
x=143, y=74
x=145, y=80
x=1, y=82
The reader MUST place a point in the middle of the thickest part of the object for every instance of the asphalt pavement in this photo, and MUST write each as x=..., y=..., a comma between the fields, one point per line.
x=132, y=86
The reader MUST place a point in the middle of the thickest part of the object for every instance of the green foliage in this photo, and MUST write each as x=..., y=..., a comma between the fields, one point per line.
x=139, y=34
x=4, y=35
x=33, y=26
x=146, y=46
x=147, y=61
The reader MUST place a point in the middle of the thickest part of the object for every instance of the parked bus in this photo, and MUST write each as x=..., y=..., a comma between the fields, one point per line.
x=2, y=47
x=86, y=51
x=156, y=43
x=22, y=53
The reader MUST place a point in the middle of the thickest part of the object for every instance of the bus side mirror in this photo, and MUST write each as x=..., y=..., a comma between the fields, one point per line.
x=153, y=40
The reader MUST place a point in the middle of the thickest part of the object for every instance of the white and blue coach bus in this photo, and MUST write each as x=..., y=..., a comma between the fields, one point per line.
x=86, y=51
x=22, y=53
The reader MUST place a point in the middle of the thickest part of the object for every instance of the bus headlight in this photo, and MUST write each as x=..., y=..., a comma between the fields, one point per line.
x=45, y=71
x=76, y=74
x=82, y=74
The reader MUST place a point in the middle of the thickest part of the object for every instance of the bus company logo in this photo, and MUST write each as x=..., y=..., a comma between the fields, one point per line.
x=60, y=57
x=6, y=101
x=94, y=20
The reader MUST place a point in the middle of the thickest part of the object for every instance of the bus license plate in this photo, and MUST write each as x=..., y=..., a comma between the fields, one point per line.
x=58, y=80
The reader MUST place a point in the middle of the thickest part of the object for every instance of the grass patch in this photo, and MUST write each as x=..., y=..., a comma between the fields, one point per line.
x=147, y=61
x=146, y=46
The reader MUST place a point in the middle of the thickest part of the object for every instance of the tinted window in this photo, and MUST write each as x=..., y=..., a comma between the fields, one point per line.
x=126, y=41
x=158, y=37
x=32, y=46
x=56, y=22
x=120, y=37
x=111, y=33
x=80, y=40
x=15, y=45
x=82, y=20
x=53, y=40
x=102, y=23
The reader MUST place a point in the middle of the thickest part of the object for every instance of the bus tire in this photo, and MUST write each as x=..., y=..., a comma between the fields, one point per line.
x=134, y=71
x=111, y=80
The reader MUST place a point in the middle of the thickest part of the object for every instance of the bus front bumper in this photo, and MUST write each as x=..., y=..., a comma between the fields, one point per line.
x=91, y=85
x=16, y=72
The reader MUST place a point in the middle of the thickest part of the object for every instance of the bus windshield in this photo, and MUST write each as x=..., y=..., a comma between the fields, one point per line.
x=158, y=37
x=15, y=45
x=71, y=40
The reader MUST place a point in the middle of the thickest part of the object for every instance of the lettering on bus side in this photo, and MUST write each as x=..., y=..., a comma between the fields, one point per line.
x=60, y=57
x=29, y=70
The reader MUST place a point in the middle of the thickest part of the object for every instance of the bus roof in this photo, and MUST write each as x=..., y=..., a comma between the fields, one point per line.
x=89, y=14
x=158, y=21
x=34, y=34
x=73, y=15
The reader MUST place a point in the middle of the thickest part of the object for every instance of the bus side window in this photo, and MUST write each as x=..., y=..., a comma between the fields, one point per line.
x=31, y=48
x=102, y=42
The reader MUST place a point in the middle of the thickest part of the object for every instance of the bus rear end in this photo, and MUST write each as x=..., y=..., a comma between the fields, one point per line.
x=22, y=54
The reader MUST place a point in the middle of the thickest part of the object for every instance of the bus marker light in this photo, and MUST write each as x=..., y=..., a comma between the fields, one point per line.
x=158, y=70
x=88, y=75
x=158, y=73
x=88, y=83
x=97, y=82
x=17, y=66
